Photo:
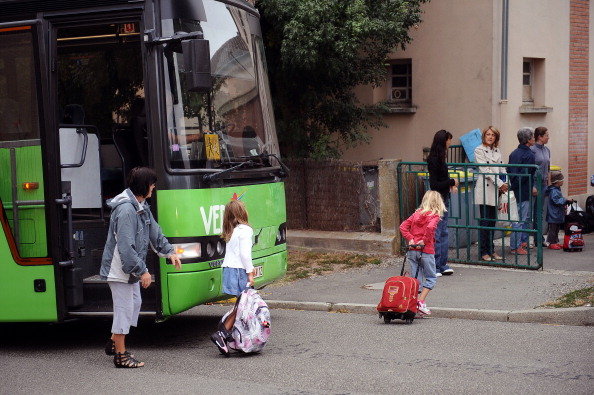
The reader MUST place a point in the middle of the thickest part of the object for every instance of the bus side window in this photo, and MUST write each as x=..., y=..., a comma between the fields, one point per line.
x=10, y=124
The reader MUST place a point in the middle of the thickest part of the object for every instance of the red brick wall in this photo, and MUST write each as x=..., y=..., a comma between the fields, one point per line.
x=578, y=96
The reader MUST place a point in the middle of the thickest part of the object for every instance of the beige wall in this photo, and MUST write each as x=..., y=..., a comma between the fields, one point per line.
x=447, y=78
x=539, y=29
x=456, y=61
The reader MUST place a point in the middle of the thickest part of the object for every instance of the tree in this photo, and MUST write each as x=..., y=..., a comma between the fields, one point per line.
x=318, y=51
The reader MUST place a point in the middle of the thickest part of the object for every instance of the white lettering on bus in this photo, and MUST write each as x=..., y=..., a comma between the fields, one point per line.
x=214, y=218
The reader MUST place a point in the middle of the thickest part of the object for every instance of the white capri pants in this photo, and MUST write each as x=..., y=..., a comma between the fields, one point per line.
x=126, y=306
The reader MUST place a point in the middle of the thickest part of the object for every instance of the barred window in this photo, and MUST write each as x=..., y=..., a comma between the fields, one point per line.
x=400, y=87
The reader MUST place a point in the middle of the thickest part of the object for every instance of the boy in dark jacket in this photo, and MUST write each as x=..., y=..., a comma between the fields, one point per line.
x=556, y=209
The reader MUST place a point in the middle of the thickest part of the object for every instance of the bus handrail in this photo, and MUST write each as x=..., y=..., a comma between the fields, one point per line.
x=67, y=201
x=22, y=203
x=80, y=129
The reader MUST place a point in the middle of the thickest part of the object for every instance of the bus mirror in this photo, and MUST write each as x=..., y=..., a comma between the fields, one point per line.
x=197, y=65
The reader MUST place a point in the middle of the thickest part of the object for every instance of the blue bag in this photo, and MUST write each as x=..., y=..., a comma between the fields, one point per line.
x=470, y=141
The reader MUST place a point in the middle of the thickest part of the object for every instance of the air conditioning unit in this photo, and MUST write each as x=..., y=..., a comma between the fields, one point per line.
x=399, y=94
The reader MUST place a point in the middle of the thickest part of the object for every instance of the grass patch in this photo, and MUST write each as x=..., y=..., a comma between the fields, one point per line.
x=578, y=298
x=304, y=264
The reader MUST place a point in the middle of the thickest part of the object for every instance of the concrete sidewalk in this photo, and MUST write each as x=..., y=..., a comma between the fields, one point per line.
x=472, y=292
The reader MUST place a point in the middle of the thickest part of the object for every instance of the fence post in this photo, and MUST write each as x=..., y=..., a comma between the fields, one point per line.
x=389, y=199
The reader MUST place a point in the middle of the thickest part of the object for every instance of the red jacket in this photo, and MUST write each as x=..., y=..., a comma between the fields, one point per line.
x=421, y=227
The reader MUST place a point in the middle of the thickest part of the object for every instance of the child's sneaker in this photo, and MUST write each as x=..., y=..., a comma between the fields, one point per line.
x=423, y=307
x=219, y=341
x=224, y=332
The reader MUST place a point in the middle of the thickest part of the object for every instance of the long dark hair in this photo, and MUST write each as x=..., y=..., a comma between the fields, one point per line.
x=438, y=148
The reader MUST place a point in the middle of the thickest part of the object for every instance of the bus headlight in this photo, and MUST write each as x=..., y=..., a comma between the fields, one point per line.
x=188, y=250
x=220, y=248
x=210, y=249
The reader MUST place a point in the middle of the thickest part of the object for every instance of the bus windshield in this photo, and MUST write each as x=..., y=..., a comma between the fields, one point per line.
x=229, y=123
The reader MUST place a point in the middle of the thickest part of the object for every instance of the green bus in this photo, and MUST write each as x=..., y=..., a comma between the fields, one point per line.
x=90, y=89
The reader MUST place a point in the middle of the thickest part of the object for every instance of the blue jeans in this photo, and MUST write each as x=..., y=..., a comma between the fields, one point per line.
x=524, y=212
x=427, y=268
x=441, y=241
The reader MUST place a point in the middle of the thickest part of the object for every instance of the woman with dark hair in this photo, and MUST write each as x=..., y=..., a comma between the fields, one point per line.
x=440, y=181
x=131, y=229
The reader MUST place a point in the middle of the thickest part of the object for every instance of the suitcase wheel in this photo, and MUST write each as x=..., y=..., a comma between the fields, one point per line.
x=387, y=319
x=409, y=320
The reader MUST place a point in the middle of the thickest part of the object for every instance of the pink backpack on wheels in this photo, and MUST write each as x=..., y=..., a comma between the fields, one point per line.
x=252, y=323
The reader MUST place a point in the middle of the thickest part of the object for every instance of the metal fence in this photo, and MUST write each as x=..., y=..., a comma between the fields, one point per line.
x=464, y=214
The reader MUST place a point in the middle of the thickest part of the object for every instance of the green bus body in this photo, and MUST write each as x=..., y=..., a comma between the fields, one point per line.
x=89, y=90
x=20, y=301
x=202, y=215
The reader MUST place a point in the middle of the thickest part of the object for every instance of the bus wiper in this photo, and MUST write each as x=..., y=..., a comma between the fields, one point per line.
x=214, y=176
x=264, y=156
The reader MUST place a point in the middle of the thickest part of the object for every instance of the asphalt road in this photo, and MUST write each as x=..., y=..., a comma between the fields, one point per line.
x=309, y=353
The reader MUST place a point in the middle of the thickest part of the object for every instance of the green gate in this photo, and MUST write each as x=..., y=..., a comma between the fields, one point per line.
x=464, y=215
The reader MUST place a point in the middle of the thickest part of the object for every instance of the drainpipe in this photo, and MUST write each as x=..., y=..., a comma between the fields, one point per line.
x=504, y=39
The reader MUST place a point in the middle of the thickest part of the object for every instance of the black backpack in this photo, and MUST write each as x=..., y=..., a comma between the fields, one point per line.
x=580, y=217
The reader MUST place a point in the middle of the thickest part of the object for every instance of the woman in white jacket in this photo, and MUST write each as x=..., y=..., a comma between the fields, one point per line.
x=488, y=188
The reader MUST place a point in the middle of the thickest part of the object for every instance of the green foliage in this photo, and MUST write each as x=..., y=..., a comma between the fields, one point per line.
x=577, y=298
x=318, y=52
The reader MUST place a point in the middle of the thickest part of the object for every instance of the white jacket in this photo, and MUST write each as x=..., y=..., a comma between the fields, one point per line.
x=486, y=189
x=239, y=249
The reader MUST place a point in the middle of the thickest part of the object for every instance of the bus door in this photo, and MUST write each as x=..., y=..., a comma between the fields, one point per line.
x=98, y=90
x=27, y=277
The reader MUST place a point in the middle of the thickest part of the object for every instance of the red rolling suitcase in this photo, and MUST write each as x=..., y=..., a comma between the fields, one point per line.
x=573, y=240
x=399, y=298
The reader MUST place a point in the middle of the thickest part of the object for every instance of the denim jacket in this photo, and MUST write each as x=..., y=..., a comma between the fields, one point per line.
x=131, y=229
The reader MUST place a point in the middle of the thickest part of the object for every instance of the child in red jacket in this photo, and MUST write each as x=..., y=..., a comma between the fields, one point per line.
x=419, y=230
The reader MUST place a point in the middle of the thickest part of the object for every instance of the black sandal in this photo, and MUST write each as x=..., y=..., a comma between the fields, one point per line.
x=125, y=360
x=110, y=347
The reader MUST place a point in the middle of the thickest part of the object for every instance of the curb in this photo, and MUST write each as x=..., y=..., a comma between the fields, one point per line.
x=575, y=316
